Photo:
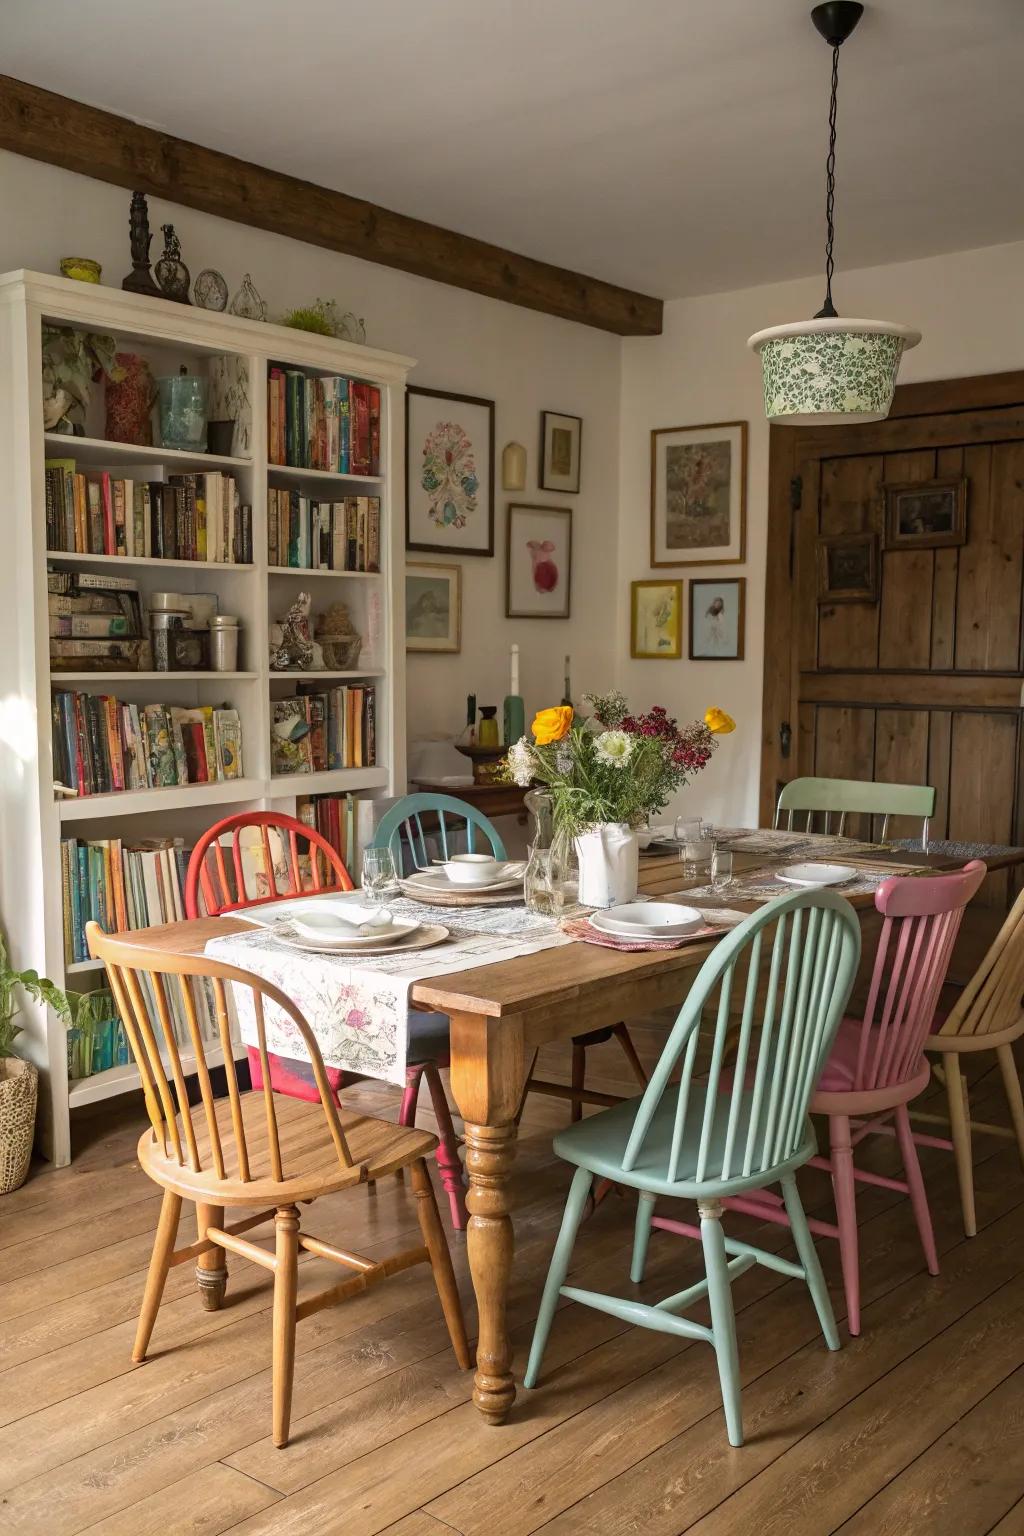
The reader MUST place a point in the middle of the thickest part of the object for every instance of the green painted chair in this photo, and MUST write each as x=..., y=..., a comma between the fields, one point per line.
x=725, y=1133
x=848, y=797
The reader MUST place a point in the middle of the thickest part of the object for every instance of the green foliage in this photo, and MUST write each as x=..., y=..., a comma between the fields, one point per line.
x=321, y=316
x=71, y=1007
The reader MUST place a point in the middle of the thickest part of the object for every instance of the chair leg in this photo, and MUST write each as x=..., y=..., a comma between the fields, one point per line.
x=410, y=1099
x=808, y=1255
x=448, y=1161
x=440, y=1260
x=559, y=1268
x=918, y=1197
x=723, y=1318
x=625, y=1039
x=159, y=1264
x=642, y=1235
x=286, y=1285
x=1011, y=1085
x=579, y=1075
x=844, y=1188
x=960, y=1128
x=212, y=1267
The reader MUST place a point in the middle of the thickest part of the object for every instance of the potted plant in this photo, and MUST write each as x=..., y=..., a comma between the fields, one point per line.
x=606, y=775
x=19, y=1080
x=71, y=360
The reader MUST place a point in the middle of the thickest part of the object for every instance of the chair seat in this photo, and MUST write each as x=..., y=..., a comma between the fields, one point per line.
x=840, y=1074
x=599, y=1143
x=309, y=1159
x=429, y=1037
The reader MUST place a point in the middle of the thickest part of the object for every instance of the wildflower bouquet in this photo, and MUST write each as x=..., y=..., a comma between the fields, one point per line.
x=613, y=766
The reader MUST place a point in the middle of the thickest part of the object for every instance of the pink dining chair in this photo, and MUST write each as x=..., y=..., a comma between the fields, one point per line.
x=222, y=885
x=877, y=1064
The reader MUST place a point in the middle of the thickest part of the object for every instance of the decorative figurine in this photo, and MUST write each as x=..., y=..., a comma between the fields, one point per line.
x=210, y=290
x=140, y=278
x=292, y=648
x=338, y=637
x=247, y=304
x=171, y=272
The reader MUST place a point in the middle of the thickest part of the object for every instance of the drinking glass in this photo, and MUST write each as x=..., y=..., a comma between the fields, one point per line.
x=379, y=874
x=687, y=829
x=721, y=869
x=697, y=852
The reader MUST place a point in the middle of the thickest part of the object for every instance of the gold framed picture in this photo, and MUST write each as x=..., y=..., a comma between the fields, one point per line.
x=560, y=442
x=433, y=607
x=926, y=514
x=699, y=494
x=848, y=568
x=656, y=620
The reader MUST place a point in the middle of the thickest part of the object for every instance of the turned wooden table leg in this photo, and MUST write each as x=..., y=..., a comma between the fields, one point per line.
x=489, y=1153
x=211, y=1267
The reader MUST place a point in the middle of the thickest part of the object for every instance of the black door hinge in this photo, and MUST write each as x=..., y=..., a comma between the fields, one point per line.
x=796, y=491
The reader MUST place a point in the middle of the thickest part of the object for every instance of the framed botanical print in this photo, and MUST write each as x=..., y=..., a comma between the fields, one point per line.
x=926, y=514
x=433, y=607
x=698, y=494
x=538, y=578
x=717, y=618
x=656, y=620
x=560, y=439
x=848, y=568
x=449, y=472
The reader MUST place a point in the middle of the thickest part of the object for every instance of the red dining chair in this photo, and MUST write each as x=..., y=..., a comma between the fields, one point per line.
x=877, y=1064
x=226, y=885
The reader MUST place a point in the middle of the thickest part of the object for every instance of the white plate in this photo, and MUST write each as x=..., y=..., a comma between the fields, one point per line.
x=325, y=927
x=422, y=937
x=437, y=880
x=641, y=919
x=816, y=874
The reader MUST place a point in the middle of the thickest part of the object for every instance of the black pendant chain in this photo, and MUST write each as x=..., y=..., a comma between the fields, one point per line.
x=827, y=310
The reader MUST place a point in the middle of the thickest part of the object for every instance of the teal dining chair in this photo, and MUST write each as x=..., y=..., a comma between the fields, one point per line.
x=727, y=1132
x=851, y=797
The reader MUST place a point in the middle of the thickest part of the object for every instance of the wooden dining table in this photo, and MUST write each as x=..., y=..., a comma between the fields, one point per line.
x=502, y=1014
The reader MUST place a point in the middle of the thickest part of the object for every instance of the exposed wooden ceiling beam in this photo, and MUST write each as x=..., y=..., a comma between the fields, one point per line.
x=45, y=126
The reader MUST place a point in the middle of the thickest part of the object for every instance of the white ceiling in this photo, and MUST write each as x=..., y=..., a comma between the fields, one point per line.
x=674, y=146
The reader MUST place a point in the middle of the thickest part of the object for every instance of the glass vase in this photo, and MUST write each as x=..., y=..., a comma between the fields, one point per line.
x=183, y=413
x=551, y=879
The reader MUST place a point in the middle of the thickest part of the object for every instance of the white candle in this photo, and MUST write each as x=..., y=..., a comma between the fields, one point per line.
x=514, y=689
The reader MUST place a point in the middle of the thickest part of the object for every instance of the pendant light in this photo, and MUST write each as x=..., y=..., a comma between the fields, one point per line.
x=830, y=370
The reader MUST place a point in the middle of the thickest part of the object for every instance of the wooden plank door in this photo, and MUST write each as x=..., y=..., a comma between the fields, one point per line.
x=923, y=685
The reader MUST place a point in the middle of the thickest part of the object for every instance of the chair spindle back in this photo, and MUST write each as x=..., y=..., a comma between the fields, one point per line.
x=754, y=1118
x=224, y=886
x=825, y=798
x=993, y=1000
x=401, y=829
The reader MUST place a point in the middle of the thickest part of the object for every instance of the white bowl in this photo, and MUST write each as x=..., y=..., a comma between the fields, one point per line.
x=639, y=919
x=473, y=868
x=816, y=874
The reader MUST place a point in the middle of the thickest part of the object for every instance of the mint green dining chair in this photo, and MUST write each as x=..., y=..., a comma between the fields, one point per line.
x=724, y=1133
x=850, y=797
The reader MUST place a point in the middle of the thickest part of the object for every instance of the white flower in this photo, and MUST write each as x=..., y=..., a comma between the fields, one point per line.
x=521, y=762
x=614, y=748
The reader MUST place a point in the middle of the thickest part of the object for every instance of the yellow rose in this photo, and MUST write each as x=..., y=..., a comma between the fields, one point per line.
x=718, y=722
x=552, y=724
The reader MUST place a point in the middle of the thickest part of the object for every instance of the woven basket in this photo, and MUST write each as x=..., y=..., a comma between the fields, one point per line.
x=19, y=1085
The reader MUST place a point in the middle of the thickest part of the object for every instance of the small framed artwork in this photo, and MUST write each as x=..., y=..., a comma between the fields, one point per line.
x=538, y=578
x=433, y=607
x=928, y=514
x=848, y=568
x=656, y=620
x=698, y=494
x=560, y=438
x=449, y=472
x=717, y=618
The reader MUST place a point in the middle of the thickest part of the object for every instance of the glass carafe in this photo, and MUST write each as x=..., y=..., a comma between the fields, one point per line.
x=551, y=881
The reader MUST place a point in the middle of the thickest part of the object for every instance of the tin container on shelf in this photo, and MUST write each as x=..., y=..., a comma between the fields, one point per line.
x=224, y=642
x=175, y=648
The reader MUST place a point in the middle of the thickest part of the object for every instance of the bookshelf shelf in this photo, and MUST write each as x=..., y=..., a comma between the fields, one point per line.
x=38, y=820
x=116, y=1080
x=80, y=967
x=97, y=450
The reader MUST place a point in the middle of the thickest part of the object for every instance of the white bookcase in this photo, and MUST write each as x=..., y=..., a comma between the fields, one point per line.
x=32, y=818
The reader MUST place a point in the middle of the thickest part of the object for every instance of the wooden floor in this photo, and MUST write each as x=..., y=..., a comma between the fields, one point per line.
x=916, y=1427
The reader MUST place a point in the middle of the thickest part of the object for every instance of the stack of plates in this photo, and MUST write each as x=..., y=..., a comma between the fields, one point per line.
x=816, y=874
x=642, y=920
x=344, y=927
x=433, y=885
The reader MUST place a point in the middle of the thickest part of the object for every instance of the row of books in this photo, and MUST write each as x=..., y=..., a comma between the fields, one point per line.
x=102, y=745
x=102, y=1043
x=323, y=535
x=314, y=732
x=95, y=622
x=120, y=885
x=328, y=423
x=333, y=816
x=186, y=517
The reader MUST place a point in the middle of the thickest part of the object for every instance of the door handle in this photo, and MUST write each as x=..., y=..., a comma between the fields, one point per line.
x=785, y=738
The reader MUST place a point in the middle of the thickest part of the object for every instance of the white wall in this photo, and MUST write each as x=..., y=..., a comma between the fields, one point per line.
x=525, y=362
x=970, y=307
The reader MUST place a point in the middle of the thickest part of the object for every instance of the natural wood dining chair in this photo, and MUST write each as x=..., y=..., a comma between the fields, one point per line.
x=987, y=1016
x=256, y=1148
x=217, y=886
x=402, y=830
x=826, y=798
x=704, y=1138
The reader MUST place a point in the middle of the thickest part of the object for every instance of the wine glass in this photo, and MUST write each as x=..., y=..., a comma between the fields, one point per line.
x=379, y=875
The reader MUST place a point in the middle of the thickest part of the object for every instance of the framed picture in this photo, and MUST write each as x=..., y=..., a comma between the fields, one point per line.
x=656, y=620
x=560, y=438
x=928, y=514
x=699, y=494
x=539, y=569
x=717, y=618
x=848, y=568
x=433, y=607
x=449, y=472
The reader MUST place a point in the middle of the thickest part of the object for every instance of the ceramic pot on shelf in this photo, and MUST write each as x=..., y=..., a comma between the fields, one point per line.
x=129, y=402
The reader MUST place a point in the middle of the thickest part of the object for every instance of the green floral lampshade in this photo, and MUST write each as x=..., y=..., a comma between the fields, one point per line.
x=824, y=372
